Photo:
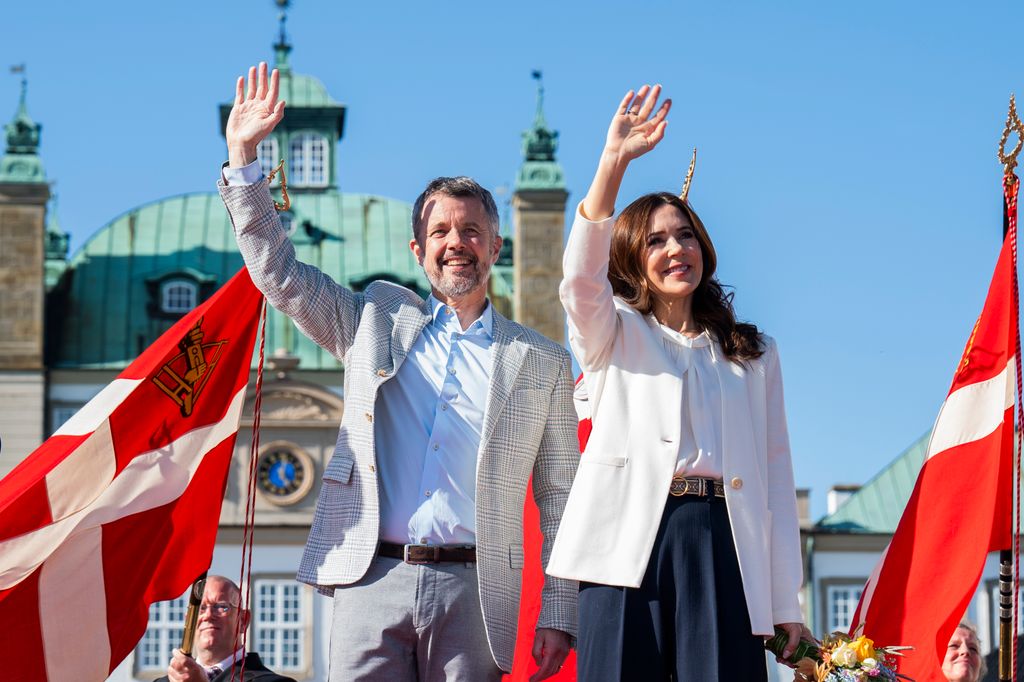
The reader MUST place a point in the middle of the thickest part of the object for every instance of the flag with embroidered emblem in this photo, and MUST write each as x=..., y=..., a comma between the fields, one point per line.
x=119, y=508
x=961, y=506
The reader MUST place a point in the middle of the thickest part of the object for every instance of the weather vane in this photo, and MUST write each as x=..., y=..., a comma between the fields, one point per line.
x=22, y=70
x=283, y=17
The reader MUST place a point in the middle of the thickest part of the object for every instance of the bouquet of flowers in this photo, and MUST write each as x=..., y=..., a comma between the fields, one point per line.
x=842, y=658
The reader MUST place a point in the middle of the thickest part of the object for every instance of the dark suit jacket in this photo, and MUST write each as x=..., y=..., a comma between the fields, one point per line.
x=255, y=671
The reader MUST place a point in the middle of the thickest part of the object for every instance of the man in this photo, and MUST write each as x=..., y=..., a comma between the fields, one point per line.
x=220, y=614
x=449, y=409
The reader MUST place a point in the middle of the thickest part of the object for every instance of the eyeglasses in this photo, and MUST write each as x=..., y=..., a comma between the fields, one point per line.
x=220, y=608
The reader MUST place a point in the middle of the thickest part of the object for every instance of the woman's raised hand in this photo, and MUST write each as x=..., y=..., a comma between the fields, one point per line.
x=255, y=113
x=634, y=131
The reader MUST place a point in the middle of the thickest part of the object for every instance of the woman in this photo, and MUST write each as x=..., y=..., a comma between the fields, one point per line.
x=678, y=585
x=963, y=661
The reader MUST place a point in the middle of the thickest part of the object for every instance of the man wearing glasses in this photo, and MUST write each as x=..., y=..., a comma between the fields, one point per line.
x=215, y=653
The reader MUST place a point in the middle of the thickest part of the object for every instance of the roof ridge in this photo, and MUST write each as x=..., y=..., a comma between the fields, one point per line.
x=870, y=487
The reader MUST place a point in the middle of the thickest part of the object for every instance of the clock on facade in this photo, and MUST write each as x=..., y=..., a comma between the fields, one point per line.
x=284, y=473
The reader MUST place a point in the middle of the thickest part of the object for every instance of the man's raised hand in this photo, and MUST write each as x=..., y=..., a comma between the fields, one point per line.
x=255, y=113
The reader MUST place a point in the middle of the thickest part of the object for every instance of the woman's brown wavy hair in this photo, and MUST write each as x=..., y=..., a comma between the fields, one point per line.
x=712, y=305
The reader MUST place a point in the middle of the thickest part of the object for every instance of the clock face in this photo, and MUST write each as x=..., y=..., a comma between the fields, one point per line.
x=285, y=474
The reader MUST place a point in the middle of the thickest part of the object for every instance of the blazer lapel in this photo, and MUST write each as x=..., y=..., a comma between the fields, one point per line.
x=507, y=356
x=409, y=323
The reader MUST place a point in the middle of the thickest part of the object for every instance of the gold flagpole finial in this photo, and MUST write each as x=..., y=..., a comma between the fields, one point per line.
x=689, y=176
x=1013, y=125
x=286, y=201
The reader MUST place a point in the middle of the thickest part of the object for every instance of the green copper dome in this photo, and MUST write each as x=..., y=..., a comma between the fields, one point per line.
x=300, y=90
x=111, y=297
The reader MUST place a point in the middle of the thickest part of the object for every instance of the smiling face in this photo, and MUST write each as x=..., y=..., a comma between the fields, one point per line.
x=963, y=657
x=672, y=259
x=456, y=245
x=215, y=635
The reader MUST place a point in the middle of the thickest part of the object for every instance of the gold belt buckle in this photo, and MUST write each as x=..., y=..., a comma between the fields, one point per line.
x=682, y=486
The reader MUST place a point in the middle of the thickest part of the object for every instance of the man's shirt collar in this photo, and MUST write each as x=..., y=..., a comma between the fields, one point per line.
x=445, y=317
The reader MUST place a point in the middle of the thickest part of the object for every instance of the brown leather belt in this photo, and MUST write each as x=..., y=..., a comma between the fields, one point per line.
x=705, y=487
x=427, y=554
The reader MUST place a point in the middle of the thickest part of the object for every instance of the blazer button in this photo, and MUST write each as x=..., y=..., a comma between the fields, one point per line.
x=373, y=468
x=369, y=417
x=736, y=483
x=382, y=372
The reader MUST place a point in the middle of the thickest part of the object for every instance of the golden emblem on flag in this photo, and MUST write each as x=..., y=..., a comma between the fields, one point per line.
x=965, y=360
x=184, y=376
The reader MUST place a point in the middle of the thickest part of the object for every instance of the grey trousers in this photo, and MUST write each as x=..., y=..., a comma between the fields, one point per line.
x=416, y=623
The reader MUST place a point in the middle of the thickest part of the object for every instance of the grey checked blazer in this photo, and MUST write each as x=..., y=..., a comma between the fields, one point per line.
x=529, y=424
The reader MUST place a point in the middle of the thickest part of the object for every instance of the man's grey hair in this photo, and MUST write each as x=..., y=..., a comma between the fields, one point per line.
x=460, y=186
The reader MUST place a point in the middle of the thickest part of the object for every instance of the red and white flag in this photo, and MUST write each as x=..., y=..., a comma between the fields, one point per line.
x=120, y=507
x=961, y=507
x=523, y=665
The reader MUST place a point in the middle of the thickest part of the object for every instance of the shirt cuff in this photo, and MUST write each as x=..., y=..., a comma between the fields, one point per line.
x=246, y=175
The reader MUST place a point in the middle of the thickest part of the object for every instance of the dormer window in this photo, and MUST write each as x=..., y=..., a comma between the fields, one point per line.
x=308, y=160
x=172, y=293
x=268, y=154
x=178, y=296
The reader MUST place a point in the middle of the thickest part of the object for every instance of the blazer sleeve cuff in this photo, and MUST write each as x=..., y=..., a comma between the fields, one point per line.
x=787, y=615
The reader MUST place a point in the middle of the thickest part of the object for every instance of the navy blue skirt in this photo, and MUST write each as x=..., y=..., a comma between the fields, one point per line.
x=687, y=621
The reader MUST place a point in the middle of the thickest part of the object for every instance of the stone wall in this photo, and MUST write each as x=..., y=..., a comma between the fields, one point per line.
x=22, y=213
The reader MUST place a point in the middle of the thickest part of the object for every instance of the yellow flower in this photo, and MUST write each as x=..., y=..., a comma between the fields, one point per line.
x=863, y=647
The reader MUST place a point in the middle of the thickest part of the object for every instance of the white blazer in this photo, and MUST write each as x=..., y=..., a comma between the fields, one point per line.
x=635, y=394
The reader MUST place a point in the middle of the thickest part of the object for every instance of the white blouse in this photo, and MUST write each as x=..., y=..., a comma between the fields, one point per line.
x=700, y=438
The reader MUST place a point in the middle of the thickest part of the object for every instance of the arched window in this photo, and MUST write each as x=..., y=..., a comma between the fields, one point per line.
x=267, y=153
x=308, y=160
x=178, y=296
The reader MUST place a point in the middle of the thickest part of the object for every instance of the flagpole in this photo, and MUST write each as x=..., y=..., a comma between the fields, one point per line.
x=1007, y=576
x=195, y=598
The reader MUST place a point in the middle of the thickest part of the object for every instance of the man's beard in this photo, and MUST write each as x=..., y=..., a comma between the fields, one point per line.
x=454, y=286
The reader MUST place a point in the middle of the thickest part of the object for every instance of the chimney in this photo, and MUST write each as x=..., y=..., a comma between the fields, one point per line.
x=839, y=494
x=803, y=507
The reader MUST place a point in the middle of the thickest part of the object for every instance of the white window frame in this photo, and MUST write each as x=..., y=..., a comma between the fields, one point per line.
x=282, y=616
x=171, y=299
x=268, y=155
x=163, y=635
x=309, y=160
x=850, y=593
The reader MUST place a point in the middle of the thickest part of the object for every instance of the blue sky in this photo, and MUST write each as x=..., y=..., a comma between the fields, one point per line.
x=847, y=166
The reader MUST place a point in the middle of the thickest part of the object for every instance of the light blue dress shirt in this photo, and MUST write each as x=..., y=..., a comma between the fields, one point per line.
x=429, y=419
x=428, y=423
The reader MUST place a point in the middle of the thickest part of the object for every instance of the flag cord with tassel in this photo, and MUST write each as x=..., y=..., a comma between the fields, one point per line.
x=245, y=574
x=1011, y=186
x=1020, y=425
x=249, y=525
